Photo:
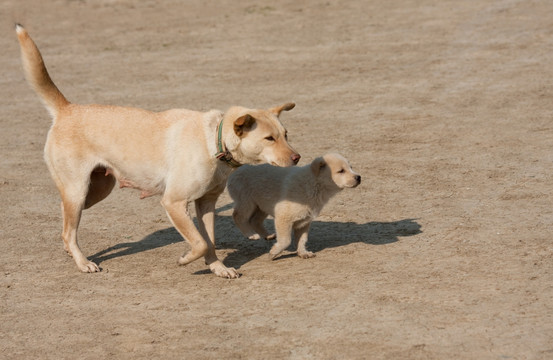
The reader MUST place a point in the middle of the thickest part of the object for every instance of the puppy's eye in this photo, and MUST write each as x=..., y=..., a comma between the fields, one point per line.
x=341, y=171
x=286, y=135
x=270, y=138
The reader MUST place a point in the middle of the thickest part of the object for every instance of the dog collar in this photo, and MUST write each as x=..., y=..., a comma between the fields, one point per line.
x=223, y=154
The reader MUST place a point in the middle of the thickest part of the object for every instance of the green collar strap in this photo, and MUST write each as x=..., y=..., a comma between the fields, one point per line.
x=223, y=154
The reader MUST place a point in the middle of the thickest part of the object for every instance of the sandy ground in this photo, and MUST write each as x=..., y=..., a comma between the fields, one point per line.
x=443, y=252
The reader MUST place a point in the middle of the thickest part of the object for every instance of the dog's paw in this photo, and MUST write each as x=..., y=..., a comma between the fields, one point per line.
x=254, y=237
x=88, y=267
x=271, y=237
x=190, y=256
x=182, y=261
x=222, y=271
x=306, y=254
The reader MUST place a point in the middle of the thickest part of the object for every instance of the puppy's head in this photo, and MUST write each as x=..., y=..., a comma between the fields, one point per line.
x=334, y=170
x=259, y=137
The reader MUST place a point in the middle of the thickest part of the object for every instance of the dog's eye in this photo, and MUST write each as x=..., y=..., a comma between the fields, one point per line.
x=270, y=138
x=286, y=135
x=341, y=171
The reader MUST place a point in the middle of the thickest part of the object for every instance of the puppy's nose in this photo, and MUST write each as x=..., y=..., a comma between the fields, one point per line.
x=358, y=179
x=295, y=158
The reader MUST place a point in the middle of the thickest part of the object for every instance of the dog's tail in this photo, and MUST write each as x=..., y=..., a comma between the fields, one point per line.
x=37, y=75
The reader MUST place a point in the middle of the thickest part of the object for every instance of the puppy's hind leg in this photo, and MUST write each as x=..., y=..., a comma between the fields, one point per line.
x=256, y=222
x=300, y=234
x=243, y=212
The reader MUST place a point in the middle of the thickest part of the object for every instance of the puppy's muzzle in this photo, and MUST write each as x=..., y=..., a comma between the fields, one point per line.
x=357, y=179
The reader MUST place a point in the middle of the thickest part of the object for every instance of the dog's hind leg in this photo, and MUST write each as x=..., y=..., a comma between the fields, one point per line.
x=101, y=184
x=71, y=217
x=73, y=194
x=72, y=177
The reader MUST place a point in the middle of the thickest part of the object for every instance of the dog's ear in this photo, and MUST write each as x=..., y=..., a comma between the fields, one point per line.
x=243, y=123
x=278, y=109
x=317, y=165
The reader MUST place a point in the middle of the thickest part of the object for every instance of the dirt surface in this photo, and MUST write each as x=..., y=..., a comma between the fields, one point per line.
x=443, y=252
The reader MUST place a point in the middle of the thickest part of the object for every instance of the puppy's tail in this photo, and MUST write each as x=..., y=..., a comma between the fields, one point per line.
x=37, y=75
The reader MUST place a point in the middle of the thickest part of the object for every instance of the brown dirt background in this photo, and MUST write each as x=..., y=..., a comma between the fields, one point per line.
x=443, y=252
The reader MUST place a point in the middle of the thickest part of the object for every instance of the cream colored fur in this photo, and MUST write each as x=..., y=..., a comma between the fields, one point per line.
x=170, y=153
x=293, y=196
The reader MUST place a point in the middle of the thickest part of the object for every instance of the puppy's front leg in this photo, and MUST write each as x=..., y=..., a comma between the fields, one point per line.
x=205, y=212
x=301, y=233
x=283, y=229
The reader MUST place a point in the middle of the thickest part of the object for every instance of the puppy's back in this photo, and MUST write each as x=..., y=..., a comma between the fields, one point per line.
x=260, y=184
x=256, y=179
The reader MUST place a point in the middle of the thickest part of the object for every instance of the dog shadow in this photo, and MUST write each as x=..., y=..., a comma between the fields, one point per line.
x=322, y=235
x=155, y=240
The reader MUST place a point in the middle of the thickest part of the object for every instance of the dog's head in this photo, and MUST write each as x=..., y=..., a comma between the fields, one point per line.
x=259, y=137
x=334, y=170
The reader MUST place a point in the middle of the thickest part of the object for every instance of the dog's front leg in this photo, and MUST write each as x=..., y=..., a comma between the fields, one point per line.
x=180, y=217
x=205, y=212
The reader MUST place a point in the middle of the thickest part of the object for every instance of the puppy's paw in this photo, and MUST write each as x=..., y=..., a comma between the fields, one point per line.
x=88, y=267
x=277, y=249
x=254, y=237
x=222, y=271
x=270, y=237
x=306, y=254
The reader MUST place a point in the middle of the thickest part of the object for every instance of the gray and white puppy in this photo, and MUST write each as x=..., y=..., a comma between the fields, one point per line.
x=293, y=196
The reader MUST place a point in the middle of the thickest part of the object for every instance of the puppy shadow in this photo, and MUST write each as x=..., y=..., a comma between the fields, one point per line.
x=323, y=235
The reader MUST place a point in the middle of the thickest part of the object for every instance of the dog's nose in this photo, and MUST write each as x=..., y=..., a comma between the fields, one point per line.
x=358, y=179
x=295, y=158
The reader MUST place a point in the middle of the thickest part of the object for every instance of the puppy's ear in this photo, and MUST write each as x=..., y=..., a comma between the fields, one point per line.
x=278, y=109
x=243, y=123
x=317, y=165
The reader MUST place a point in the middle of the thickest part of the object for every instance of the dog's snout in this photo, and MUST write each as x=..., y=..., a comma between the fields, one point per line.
x=358, y=179
x=295, y=158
